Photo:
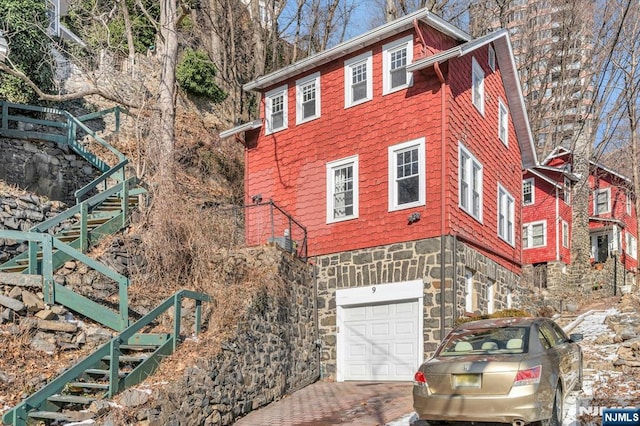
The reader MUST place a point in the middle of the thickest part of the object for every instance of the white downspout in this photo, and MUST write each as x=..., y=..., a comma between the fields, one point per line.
x=557, y=221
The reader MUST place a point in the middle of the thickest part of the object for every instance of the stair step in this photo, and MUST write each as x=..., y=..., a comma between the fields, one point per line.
x=132, y=347
x=101, y=372
x=71, y=399
x=52, y=415
x=15, y=268
x=88, y=385
x=127, y=358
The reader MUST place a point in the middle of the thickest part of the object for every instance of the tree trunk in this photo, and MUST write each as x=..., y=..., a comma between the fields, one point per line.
x=169, y=53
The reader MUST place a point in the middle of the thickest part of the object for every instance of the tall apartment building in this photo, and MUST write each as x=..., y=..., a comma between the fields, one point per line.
x=552, y=44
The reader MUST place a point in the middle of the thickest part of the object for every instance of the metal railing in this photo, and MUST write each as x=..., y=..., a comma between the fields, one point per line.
x=19, y=414
x=265, y=223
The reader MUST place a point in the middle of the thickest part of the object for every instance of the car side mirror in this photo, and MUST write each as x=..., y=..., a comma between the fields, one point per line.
x=576, y=337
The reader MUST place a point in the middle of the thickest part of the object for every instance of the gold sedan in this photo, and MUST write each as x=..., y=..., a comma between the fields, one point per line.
x=505, y=370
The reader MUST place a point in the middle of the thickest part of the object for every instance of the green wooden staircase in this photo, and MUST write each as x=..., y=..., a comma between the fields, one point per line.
x=103, y=207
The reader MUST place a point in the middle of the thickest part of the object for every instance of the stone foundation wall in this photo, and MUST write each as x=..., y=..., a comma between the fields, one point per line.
x=44, y=169
x=273, y=352
x=402, y=262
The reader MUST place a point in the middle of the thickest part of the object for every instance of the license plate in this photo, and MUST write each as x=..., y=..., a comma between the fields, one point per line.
x=466, y=381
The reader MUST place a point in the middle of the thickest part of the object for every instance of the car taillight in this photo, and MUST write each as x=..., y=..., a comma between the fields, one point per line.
x=419, y=379
x=529, y=376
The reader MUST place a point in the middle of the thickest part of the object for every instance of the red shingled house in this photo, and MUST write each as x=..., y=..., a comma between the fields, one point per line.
x=401, y=152
x=547, y=223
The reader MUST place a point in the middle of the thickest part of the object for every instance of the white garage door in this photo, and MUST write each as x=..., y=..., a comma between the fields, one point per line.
x=381, y=341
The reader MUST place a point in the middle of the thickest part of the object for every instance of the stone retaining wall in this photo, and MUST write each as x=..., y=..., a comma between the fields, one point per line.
x=44, y=168
x=273, y=352
x=405, y=262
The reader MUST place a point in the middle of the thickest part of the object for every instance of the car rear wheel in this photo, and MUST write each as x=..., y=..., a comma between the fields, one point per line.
x=557, y=411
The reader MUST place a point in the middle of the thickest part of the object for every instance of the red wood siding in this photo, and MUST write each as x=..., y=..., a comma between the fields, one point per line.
x=549, y=208
x=289, y=166
x=501, y=164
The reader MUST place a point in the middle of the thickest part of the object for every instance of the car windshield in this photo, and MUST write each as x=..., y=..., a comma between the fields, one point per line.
x=509, y=340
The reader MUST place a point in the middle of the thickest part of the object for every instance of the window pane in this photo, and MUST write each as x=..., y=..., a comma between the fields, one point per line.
x=309, y=100
x=343, y=192
x=359, y=82
x=277, y=120
x=408, y=190
x=309, y=109
x=538, y=235
x=359, y=91
x=398, y=62
x=407, y=170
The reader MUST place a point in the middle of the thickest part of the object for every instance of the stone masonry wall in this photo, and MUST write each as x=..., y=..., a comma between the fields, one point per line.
x=44, y=168
x=414, y=260
x=273, y=353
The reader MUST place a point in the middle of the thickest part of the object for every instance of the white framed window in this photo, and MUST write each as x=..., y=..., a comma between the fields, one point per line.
x=469, y=298
x=503, y=122
x=342, y=189
x=490, y=296
x=395, y=58
x=528, y=195
x=470, y=183
x=632, y=246
x=628, y=202
x=477, y=86
x=534, y=234
x=276, y=109
x=566, y=190
x=506, y=215
x=491, y=60
x=407, y=186
x=565, y=234
x=601, y=201
x=308, y=98
x=358, y=86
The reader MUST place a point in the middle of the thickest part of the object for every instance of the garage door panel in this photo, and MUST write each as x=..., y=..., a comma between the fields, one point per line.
x=356, y=313
x=380, y=329
x=380, y=350
x=405, y=327
x=381, y=341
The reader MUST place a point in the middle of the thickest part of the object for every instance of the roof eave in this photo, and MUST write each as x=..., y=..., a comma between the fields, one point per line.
x=355, y=44
x=252, y=125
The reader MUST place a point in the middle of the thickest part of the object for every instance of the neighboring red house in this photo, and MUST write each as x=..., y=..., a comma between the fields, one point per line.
x=547, y=222
x=401, y=152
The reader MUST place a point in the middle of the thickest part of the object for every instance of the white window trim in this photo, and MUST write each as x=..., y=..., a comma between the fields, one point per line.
x=490, y=296
x=393, y=206
x=348, y=64
x=628, y=202
x=331, y=166
x=503, y=122
x=477, y=73
x=529, y=235
x=315, y=77
x=595, y=201
x=271, y=94
x=468, y=297
x=469, y=169
x=491, y=60
x=566, y=190
x=387, y=49
x=533, y=192
x=505, y=199
x=565, y=234
x=632, y=246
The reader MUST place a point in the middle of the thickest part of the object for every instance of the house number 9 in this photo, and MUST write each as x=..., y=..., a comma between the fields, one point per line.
x=373, y=289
